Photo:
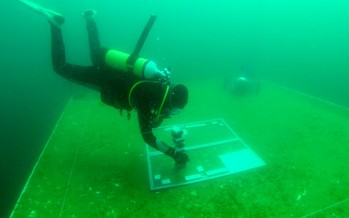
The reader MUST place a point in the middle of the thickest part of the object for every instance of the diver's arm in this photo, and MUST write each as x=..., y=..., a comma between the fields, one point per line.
x=179, y=157
x=148, y=136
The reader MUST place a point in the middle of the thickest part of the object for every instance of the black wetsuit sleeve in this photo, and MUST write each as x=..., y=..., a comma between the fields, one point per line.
x=146, y=97
x=146, y=129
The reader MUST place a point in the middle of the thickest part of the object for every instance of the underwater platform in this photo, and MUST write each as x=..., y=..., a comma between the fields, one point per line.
x=214, y=148
x=276, y=153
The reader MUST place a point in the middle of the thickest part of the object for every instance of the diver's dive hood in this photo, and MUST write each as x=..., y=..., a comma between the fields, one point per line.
x=132, y=63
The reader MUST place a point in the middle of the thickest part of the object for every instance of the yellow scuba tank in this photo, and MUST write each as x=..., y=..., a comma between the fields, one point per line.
x=132, y=63
x=119, y=60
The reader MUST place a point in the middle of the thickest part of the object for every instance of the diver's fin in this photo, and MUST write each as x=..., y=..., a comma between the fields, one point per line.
x=133, y=57
x=89, y=14
x=52, y=16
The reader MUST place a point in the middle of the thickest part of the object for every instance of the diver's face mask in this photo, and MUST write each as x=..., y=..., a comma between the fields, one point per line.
x=175, y=111
x=176, y=98
x=171, y=108
x=169, y=112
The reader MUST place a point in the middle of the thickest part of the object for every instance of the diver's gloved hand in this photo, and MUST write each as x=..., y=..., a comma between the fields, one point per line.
x=181, y=158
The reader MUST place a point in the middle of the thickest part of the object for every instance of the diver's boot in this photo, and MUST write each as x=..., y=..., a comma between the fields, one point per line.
x=89, y=14
x=52, y=16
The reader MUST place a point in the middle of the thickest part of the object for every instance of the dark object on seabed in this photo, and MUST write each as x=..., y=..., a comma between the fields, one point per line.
x=241, y=85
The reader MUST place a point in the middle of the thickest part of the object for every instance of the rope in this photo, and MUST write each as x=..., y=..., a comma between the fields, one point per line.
x=75, y=158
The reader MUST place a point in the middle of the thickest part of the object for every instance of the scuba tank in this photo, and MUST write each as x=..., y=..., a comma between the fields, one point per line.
x=132, y=63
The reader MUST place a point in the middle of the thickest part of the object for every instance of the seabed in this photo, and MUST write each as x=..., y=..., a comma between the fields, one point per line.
x=95, y=163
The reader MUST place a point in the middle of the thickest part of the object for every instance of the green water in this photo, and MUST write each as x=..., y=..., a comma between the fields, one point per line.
x=299, y=44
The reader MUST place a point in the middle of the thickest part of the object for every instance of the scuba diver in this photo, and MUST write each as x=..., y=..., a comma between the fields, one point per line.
x=242, y=83
x=125, y=81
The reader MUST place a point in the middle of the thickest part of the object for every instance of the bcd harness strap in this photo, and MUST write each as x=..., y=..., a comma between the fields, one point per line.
x=159, y=110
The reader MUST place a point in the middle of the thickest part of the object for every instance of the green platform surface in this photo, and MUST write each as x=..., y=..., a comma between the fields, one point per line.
x=95, y=164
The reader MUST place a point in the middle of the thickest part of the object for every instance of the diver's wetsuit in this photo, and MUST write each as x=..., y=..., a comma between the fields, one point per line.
x=114, y=86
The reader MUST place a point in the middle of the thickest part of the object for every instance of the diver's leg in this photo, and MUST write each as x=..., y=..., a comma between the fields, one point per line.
x=85, y=75
x=96, y=52
x=57, y=48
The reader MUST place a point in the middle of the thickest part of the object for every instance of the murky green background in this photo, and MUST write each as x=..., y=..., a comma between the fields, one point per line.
x=300, y=44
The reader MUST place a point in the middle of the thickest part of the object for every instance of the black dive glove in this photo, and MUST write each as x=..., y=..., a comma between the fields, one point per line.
x=181, y=158
x=178, y=156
